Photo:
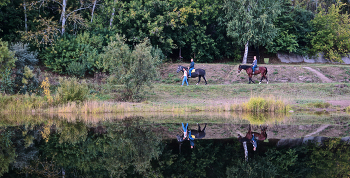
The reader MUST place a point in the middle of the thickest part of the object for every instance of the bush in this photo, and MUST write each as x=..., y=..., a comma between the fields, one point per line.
x=24, y=56
x=27, y=81
x=133, y=69
x=6, y=83
x=76, y=69
x=7, y=57
x=71, y=90
x=83, y=48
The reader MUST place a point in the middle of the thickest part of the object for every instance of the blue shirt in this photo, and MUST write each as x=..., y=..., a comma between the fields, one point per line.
x=254, y=141
x=192, y=65
x=255, y=62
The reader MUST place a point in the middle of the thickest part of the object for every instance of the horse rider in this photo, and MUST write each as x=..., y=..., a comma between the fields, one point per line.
x=191, y=68
x=254, y=65
x=191, y=139
x=254, y=142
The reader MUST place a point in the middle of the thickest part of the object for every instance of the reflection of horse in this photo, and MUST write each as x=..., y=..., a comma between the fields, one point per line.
x=259, y=136
x=249, y=70
x=197, y=73
x=198, y=134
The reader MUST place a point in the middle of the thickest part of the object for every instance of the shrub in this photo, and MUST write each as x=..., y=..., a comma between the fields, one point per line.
x=24, y=56
x=6, y=83
x=258, y=104
x=27, y=81
x=133, y=69
x=7, y=57
x=83, y=48
x=76, y=69
x=71, y=90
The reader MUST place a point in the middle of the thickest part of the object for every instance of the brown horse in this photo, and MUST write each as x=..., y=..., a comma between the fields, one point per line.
x=258, y=70
x=259, y=136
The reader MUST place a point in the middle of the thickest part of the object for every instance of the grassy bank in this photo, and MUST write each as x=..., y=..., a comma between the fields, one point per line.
x=177, y=99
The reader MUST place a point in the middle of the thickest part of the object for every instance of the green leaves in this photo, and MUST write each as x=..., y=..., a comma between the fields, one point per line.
x=332, y=35
x=250, y=20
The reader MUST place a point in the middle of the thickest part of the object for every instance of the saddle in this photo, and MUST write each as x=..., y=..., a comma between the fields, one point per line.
x=193, y=70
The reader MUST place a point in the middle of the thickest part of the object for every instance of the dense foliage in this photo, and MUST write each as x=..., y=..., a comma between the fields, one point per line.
x=83, y=38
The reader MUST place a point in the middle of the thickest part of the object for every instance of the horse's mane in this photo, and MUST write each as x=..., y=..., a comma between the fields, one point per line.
x=245, y=66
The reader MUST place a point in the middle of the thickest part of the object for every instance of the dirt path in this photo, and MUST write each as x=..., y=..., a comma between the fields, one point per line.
x=319, y=74
x=317, y=131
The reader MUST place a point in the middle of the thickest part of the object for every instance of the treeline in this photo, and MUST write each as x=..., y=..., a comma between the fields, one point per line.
x=79, y=38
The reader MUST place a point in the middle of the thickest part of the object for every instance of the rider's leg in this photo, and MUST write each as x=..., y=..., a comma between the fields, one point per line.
x=189, y=72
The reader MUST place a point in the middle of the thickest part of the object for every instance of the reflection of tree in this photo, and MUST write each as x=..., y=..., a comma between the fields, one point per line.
x=7, y=151
x=72, y=132
x=125, y=148
x=331, y=160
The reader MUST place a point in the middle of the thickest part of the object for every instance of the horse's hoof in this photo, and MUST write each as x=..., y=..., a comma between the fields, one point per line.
x=259, y=83
x=197, y=84
x=267, y=82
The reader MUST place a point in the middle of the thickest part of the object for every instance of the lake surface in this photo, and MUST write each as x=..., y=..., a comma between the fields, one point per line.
x=313, y=144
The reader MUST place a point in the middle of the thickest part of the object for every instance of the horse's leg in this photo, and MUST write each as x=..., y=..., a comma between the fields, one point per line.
x=205, y=126
x=262, y=77
x=199, y=127
x=205, y=79
x=199, y=79
x=267, y=80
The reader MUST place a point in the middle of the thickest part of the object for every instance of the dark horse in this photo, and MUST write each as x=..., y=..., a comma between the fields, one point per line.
x=260, y=136
x=197, y=73
x=198, y=134
x=258, y=70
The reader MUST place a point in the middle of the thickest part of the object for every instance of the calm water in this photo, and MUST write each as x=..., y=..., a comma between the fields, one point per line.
x=146, y=145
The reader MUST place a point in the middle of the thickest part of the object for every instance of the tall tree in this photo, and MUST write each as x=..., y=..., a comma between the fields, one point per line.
x=332, y=35
x=250, y=22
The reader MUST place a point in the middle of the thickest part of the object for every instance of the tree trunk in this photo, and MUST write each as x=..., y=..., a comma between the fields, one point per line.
x=112, y=16
x=63, y=16
x=245, y=53
x=93, y=9
x=25, y=15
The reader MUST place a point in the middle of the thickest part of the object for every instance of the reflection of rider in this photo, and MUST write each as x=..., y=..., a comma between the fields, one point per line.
x=191, y=138
x=254, y=142
x=255, y=63
x=190, y=68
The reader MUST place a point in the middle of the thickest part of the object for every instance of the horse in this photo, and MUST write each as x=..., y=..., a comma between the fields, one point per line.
x=259, y=136
x=197, y=73
x=258, y=70
x=199, y=134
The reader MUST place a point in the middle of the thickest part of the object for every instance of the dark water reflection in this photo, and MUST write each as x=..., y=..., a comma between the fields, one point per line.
x=302, y=145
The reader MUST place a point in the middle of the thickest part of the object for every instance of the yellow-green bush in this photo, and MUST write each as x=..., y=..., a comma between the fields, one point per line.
x=258, y=104
x=71, y=89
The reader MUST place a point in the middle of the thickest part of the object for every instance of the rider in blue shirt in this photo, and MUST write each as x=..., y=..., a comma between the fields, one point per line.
x=191, y=138
x=254, y=142
x=191, y=67
x=255, y=63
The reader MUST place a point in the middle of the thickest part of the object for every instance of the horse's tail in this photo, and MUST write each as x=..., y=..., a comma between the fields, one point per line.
x=265, y=71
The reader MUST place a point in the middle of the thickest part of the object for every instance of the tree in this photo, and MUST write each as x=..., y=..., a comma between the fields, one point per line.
x=251, y=21
x=7, y=57
x=332, y=35
x=293, y=27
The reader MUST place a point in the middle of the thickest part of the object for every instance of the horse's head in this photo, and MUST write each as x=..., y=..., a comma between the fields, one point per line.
x=239, y=68
x=179, y=69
